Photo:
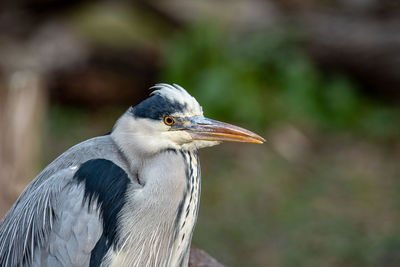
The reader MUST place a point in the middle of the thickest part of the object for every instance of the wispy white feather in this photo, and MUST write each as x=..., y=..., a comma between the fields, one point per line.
x=176, y=93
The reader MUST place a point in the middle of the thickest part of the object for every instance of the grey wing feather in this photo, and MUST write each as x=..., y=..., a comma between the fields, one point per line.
x=50, y=212
x=76, y=232
x=48, y=226
x=29, y=221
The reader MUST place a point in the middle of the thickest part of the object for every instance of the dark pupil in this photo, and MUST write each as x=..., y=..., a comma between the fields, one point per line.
x=169, y=120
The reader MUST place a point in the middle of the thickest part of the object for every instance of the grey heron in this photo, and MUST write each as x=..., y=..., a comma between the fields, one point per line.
x=128, y=198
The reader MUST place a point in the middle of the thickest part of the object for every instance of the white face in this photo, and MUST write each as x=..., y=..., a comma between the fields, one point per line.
x=152, y=136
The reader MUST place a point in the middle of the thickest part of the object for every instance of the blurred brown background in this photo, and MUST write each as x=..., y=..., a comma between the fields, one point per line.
x=318, y=79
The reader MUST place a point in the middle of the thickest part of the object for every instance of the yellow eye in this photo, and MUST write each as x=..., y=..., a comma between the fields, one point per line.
x=169, y=120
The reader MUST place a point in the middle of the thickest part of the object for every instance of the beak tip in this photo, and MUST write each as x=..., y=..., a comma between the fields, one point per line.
x=261, y=141
x=258, y=139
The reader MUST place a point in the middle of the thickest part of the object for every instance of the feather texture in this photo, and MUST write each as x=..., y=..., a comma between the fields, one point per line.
x=50, y=212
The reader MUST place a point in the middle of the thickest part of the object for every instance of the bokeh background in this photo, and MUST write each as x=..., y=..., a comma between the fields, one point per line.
x=318, y=79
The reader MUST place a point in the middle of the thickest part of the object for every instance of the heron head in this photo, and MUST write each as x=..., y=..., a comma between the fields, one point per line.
x=172, y=119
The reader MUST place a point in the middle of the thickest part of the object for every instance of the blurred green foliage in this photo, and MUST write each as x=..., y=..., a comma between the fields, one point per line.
x=333, y=209
x=265, y=77
x=117, y=26
x=332, y=206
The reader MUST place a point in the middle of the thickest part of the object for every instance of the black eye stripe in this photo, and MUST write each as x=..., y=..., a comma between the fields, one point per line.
x=156, y=107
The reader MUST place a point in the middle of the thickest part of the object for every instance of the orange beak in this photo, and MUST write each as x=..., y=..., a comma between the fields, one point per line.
x=212, y=130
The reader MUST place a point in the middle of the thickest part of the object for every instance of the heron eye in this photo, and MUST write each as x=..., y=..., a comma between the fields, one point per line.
x=169, y=120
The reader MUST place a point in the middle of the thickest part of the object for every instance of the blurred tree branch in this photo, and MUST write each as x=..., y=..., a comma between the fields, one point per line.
x=357, y=37
x=22, y=102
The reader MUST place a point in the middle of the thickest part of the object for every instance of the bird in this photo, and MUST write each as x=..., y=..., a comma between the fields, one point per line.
x=126, y=198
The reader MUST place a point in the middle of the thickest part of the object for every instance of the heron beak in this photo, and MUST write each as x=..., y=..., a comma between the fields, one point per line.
x=211, y=130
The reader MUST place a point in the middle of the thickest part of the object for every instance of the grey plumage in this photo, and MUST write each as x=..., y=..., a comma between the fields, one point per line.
x=129, y=198
x=45, y=210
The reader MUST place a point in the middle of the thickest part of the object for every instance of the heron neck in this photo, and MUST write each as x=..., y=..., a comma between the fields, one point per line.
x=162, y=214
x=186, y=216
